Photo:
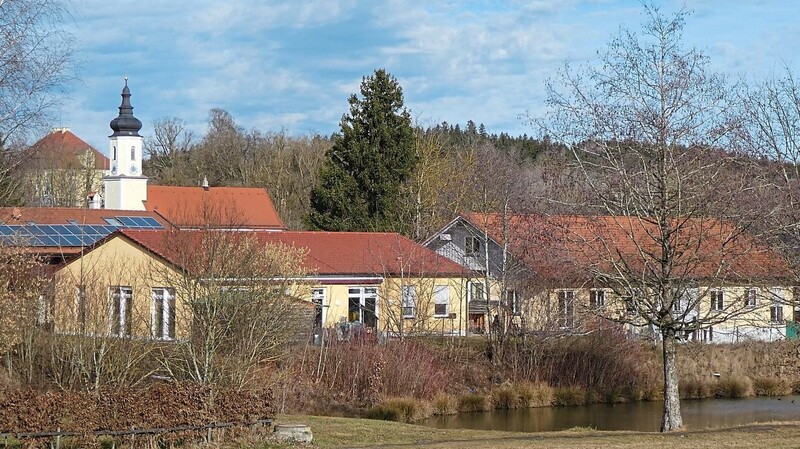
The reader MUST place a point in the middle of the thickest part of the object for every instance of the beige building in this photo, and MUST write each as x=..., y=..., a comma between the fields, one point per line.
x=61, y=170
x=559, y=273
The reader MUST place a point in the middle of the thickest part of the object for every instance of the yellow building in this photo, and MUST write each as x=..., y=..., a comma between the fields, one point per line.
x=137, y=283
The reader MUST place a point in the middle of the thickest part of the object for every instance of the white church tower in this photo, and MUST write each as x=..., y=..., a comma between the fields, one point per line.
x=125, y=186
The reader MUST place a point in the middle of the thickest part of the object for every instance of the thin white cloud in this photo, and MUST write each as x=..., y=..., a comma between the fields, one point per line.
x=289, y=64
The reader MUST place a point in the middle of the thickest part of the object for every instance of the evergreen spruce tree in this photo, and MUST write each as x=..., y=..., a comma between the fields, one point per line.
x=372, y=156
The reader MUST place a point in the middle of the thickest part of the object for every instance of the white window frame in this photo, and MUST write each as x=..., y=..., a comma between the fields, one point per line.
x=318, y=298
x=513, y=302
x=361, y=294
x=566, y=308
x=121, y=311
x=750, y=297
x=162, y=313
x=408, y=301
x=597, y=298
x=441, y=296
x=776, y=314
x=717, y=299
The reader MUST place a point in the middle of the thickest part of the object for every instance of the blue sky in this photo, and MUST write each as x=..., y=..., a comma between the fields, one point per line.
x=290, y=65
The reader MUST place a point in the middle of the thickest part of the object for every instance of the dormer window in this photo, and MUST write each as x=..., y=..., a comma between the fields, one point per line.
x=472, y=245
x=133, y=153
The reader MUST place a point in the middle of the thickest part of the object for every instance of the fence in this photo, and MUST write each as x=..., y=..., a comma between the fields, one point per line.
x=132, y=433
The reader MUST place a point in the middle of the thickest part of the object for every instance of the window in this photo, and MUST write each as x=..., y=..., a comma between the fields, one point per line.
x=121, y=307
x=708, y=334
x=441, y=300
x=677, y=305
x=114, y=153
x=408, y=299
x=717, y=300
x=472, y=245
x=566, y=311
x=513, y=302
x=776, y=313
x=750, y=297
x=476, y=291
x=361, y=305
x=318, y=299
x=163, y=314
x=597, y=299
x=133, y=153
x=80, y=307
x=633, y=301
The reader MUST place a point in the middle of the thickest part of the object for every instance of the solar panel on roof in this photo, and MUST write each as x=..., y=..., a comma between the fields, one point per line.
x=46, y=240
x=54, y=235
x=112, y=221
x=134, y=222
x=152, y=222
x=126, y=221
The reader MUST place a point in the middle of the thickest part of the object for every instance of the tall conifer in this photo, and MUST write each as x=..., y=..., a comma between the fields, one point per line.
x=372, y=156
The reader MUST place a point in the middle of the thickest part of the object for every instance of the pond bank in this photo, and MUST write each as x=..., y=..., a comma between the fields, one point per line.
x=334, y=433
x=635, y=416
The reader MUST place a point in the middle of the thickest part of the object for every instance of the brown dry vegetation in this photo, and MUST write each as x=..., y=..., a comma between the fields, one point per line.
x=414, y=379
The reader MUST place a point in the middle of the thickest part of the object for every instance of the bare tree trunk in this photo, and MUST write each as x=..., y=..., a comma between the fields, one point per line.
x=671, y=420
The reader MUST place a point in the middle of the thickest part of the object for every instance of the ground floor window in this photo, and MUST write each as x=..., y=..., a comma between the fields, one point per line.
x=597, y=299
x=566, y=308
x=717, y=300
x=441, y=300
x=776, y=313
x=318, y=299
x=750, y=297
x=408, y=298
x=513, y=302
x=163, y=313
x=121, y=310
x=362, y=305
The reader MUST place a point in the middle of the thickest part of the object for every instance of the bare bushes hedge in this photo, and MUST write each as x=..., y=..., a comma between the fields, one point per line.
x=363, y=373
x=604, y=363
x=157, y=406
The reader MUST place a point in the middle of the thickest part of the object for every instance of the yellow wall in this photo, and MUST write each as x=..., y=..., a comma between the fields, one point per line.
x=389, y=316
x=117, y=262
x=541, y=310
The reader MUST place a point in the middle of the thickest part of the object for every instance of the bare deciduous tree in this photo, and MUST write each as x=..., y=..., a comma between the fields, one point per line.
x=645, y=127
x=236, y=304
x=36, y=63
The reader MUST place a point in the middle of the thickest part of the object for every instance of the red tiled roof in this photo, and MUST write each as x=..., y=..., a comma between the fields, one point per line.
x=61, y=146
x=561, y=247
x=220, y=207
x=329, y=253
x=63, y=215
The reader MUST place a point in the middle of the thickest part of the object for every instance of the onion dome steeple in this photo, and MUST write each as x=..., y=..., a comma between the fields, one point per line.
x=126, y=124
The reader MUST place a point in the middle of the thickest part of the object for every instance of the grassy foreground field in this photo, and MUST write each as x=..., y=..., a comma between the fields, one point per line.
x=360, y=433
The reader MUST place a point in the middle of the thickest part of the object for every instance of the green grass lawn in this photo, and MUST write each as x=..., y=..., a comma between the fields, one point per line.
x=361, y=433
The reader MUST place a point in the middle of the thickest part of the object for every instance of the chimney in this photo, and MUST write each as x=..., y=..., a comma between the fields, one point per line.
x=205, y=183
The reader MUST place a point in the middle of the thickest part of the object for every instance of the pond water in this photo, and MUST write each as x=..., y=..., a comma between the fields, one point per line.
x=641, y=416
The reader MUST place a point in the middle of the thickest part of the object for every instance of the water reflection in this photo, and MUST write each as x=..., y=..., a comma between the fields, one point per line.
x=642, y=416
